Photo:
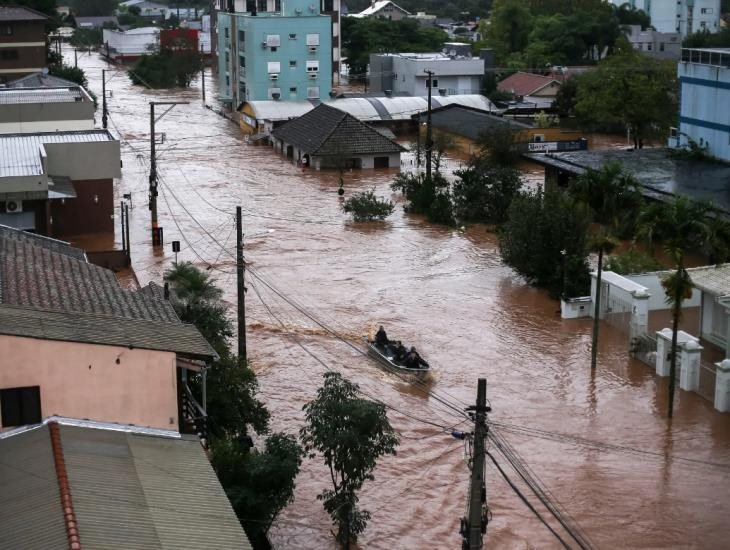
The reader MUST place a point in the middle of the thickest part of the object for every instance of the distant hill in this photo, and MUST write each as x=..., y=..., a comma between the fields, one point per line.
x=441, y=8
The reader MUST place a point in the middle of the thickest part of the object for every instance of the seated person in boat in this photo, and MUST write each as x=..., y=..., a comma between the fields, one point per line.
x=381, y=338
x=414, y=361
x=399, y=351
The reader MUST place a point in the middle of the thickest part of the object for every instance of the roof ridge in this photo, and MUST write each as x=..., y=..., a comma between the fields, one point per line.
x=64, y=488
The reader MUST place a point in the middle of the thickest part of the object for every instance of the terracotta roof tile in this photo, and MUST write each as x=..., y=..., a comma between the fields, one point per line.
x=523, y=84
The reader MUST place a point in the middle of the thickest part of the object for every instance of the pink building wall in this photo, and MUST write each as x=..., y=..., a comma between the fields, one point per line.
x=85, y=381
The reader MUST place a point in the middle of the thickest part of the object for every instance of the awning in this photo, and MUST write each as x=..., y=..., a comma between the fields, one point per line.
x=60, y=187
x=25, y=221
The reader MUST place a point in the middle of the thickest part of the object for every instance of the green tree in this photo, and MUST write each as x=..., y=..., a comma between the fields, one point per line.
x=629, y=91
x=483, y=192
x=545, y=240
x=566, y=97
x=84, y=8
x=501, y=145
x=367, y=207
x=429, y=197
x=510, y=26
x=679, y=225
x=614, y=199
x=351, y=433
x=706, y=39
x=167, y=69
x=630, y=15
x=632, y=261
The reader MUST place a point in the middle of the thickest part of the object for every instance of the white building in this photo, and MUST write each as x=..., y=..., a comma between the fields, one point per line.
x=682, y=16
x=29, y=110
x=704, y=114
x=659, y=45
x=132, y=44
x=405, y=73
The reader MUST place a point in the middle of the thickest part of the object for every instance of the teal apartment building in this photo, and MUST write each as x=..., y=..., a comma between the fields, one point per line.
x=283, y=53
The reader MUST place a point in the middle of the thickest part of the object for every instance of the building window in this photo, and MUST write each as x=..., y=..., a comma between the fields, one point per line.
x=274, y=49
x=20, y=406
x=434, y=83
x=312, y=66
x=7, y=30
x=292, y=90
x=661, y=46
x=8, y=54
x=241, y=36
x=313, y=40
x=708, y=11
x=227, y=33
x=293, y=64
x=313, y=92
x=648, y=47
x=292, y=36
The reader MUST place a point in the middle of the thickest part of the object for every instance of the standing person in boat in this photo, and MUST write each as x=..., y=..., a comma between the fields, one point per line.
x=414, y=361
x=381, y=338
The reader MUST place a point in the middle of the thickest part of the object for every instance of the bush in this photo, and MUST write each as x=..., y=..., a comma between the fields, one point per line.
x=429, y=197
x=544, y=240
x=167, y=69
x=632, y=261
x=366, y=207
x=483, y=192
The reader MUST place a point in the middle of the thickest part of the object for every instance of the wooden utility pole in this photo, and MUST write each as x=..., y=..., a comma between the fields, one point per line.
x=241, y=287
x=476, y=523
x=76, y=58
x=202, y=71
x=429, y=132
x=104, y=111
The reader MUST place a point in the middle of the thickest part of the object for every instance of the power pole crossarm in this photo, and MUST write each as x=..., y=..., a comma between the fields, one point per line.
x=476, y=524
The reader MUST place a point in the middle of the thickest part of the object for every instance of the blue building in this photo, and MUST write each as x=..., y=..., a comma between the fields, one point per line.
x=283, y=53
x=704, y=114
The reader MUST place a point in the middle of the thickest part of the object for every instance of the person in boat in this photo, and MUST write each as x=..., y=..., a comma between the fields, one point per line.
x=399, y=351
x=414, y=361
x=381, y=338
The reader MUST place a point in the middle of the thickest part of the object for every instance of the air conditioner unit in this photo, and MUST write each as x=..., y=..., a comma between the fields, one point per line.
x=298, y=11
x=276, y=96
x=14, y=206
x=313, y=75
x=273, y=76
x=312, y=49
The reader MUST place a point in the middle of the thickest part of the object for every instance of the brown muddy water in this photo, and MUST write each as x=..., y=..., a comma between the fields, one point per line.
x=447, y=292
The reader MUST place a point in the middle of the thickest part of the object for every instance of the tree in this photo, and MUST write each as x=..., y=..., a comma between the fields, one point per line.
x=167, y=69
x=501, y=145
x=706, y=39
x=629, y=91
x=351, y=433
x=566, y=97
x=84, y=8
x=429, y=197
x=680, y=225
x=483, y=192
x=630, y=15
x=544, y=240
x=510, y=26
x=367, y=207
x=442, y=142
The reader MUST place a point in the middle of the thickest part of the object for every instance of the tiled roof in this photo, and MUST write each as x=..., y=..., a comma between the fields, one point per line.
x=327, y=131
x=20, y=153
x=66, y=94
x=48, y=290
x=20, y=13
x=713, y=279
x=128, y=490
x=524, y=83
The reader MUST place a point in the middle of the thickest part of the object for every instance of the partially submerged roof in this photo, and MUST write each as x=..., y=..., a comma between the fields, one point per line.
x=660, y=175
x=48, y=290
x=41, y=80
x=122, y=488
x=522, y=84
x=469, y=122
x=20, y=13
x=712, y=279
x=326, y=131
x=367, y=109
x=21, y=153
x=44, y=95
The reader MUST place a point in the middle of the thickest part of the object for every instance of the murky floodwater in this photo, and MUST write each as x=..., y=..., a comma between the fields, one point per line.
x=448, y=292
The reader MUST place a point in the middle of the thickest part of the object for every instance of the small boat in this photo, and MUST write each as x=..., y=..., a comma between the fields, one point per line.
x=386, y=358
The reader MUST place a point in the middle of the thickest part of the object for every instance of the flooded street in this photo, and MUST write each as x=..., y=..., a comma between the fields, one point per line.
x=470, y=316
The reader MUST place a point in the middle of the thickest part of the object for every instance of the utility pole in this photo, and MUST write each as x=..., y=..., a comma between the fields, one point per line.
x=241, y=287
x=76, y=58
x=429, y=133
x=104, y=111
x=202, y=72
x=476, y=524
x=156, y=230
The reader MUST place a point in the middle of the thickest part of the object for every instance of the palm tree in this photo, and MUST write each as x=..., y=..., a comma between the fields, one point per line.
x=679, y=225
x=614, y=200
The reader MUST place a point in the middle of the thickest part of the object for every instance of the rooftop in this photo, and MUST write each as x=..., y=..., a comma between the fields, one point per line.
x=523, y=84
x=48, y=290
x=111, y=488
x=328, y=131
x=468, y=121
x=25, y=95
x=21, y=153
x=661, y=175
x=375, y=7
x=712, y=279
x=20, y=13
x=41, y=80
x=95, y=21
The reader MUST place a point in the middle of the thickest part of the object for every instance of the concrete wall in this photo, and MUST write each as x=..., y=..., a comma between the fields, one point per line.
x=704, y=111
x=84, y=161
x=683, y=16
x=456, y=76
x=28, y=41
x=653, y=284
x=85, y=381
x=46, y=117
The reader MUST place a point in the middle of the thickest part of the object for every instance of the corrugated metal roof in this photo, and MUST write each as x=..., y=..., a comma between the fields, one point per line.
x=135, y=491
x=20, y=154
x=15, y=96
x=31, y=516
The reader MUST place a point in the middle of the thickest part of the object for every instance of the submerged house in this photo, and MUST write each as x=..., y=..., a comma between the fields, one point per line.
x=326, y=137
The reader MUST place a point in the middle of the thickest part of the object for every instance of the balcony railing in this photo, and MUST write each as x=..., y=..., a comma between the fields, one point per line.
x=718, y=57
